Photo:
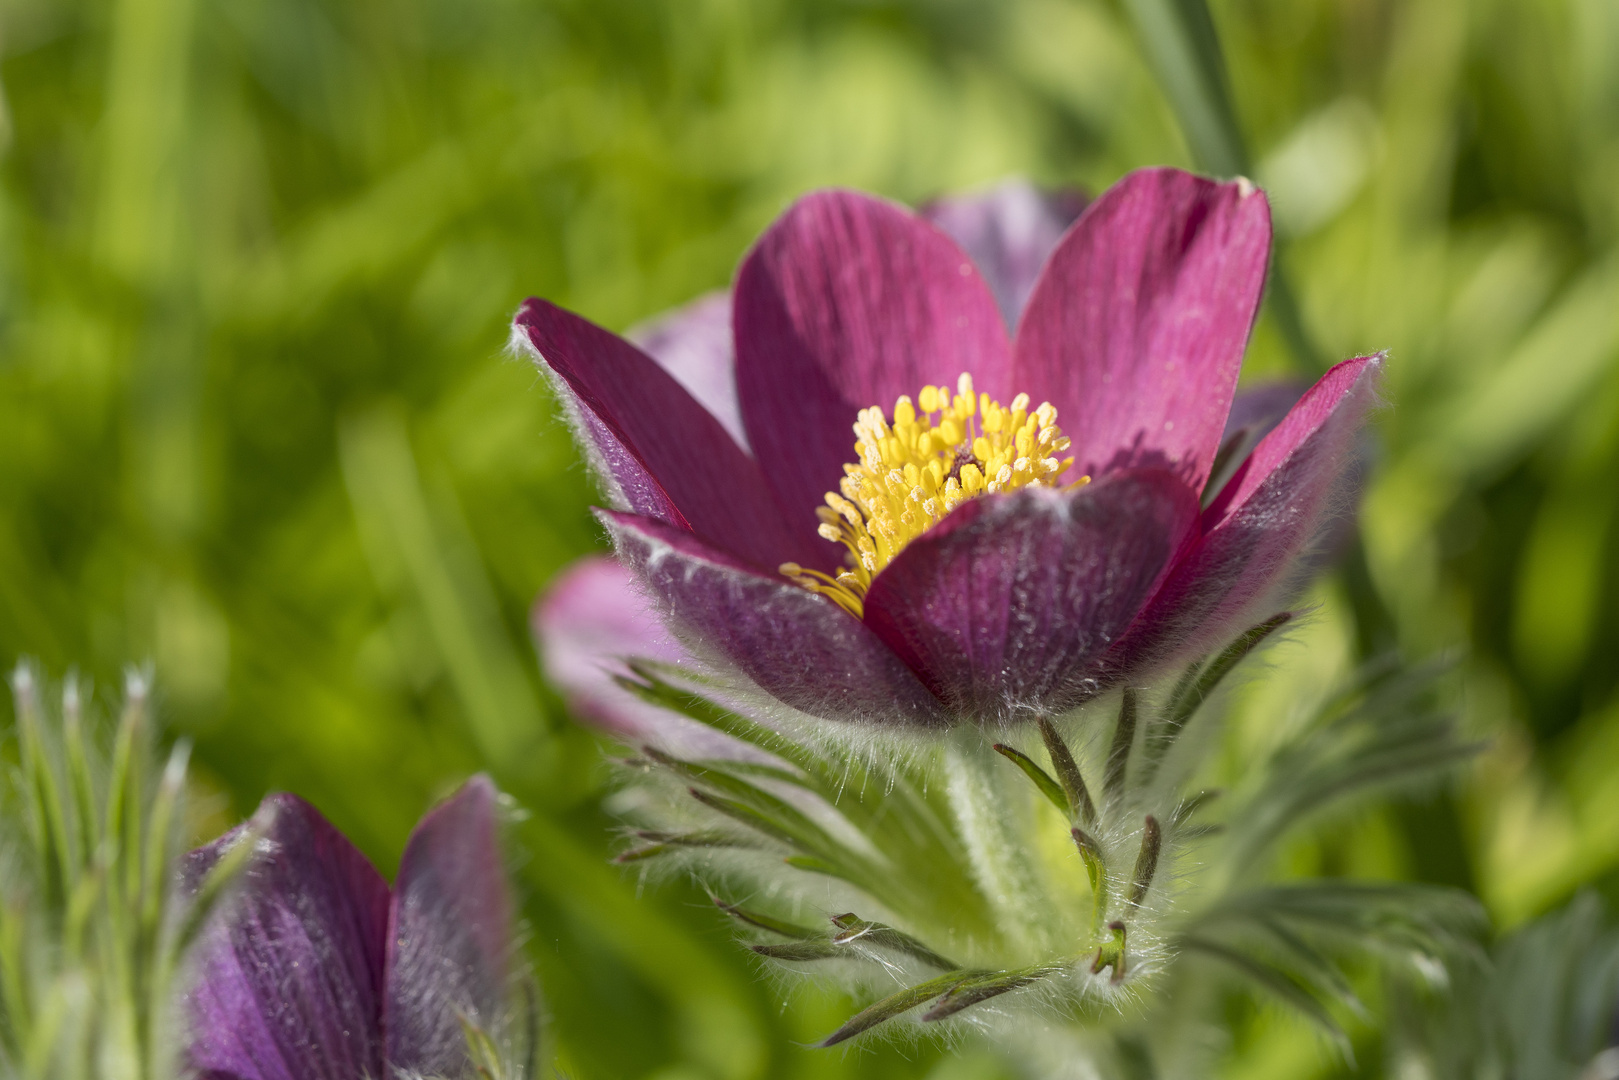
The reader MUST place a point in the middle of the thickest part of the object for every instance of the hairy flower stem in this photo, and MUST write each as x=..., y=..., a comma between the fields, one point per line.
x=986, y=808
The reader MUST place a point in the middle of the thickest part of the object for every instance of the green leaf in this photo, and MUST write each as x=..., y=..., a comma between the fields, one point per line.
x=897, y=1004
x=800, y=951
x=973, y=991
x=1195, y=686
x=1042, y=779
x=765, y=922
x=1073, y=782
x=1124, y=737
x=853, y=929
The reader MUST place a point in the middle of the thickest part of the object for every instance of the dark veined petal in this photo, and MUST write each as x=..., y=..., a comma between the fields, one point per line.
x=1008, y=230
x=288, y=977
x=798, y=647
x=1136, y=329
x=693, y=344
x=450, y=936
x=667, y=456
x=847, y=302
x=1262, y=520
x=594, y=616
x=1005, y=607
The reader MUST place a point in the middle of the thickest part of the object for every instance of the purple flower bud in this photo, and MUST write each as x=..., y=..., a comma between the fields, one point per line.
x=315, y=970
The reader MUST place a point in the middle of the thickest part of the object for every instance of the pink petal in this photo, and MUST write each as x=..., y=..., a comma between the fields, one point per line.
x=693, y=344
x=449, y=936
x=667, y=456
x=1009, y=230
x=288, y=978
x=594, y=616
x=1260, y=523
x=1255, y=412
x=1006, y=605
x=1136, y=329
x=848, y=302
x=798, y=647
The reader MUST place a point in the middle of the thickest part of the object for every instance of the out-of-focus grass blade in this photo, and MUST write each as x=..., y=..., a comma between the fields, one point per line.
x=1183, y=50
x=1180, y=42
x=1278, y=982
x=446, y=578
x=1497, y=418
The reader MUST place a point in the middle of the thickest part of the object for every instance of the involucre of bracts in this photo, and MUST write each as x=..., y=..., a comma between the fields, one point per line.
x=1066, y=878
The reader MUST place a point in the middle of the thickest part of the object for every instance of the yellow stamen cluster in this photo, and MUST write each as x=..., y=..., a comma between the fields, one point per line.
x=940, y=451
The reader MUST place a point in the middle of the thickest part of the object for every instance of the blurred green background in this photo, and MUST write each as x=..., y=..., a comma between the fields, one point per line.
x=257, y=258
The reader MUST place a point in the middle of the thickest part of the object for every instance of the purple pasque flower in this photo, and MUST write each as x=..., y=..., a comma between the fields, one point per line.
x=1064, y=560
x=316, y=970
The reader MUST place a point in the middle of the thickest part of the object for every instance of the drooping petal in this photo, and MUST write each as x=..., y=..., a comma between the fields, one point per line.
x=594, y=616
x=798, y=647
x=450, y=936
x=1262, y=520
x=288, y=978
x=1005, y=606
x=667, y=456
x=848, y=302
x=1136, y=329
x=1009, y=230
x=693, y=344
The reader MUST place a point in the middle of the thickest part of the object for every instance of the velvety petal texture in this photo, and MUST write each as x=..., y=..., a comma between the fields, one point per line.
x=289, y=987
x=1136, y=329
x=1261, y=521
x=1005, y=608
x=449, y=938
x=1008, y=230
x=693, y=344
x=313, y=970
x=847, y=302
x=668, y=457
x=795, y=645
x=1016, y=603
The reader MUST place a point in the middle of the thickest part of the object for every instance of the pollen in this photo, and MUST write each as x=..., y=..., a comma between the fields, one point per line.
x=937, y=452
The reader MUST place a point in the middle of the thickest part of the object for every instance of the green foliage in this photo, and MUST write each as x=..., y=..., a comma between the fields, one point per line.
x=92, y=935
x=256, y=260
x=929, y=835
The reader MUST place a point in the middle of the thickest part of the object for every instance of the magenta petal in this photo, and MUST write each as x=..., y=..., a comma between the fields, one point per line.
x=848, y=302
x=1009, y=230
x=693, y=344
x=667, y=456
x=288, y=978
x=1006, y=605
x=798, y=647
x=1136, y=329
x=1261, y=521
x=1254, y=414
x=450, y=936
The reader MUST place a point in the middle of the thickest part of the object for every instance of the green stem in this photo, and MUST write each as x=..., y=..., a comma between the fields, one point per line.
x=986, y=807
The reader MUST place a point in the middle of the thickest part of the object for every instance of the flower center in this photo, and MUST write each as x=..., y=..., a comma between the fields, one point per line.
x=940, y=451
